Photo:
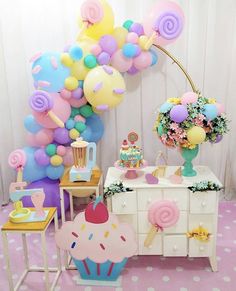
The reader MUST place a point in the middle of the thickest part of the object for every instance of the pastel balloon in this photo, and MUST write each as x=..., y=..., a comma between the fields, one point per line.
x=104, y=58
x=132, y=71
x=137, y=28
x=95, y=127
x=167, y=17
x=104, y=25
x=79, y=70
x=178, y=113
x=166, y=107
x=77, y=103
x=48, y=72
x=210, y=111
x=74, y=134
x=70, y=124
x=54, y=173
x=130, y=50
x=31, y=124
x=56, y=160
x=108, y=44
x=104, y=87
x=44, y=137
x=120, y=34
x=132, y=37
x=68, y=157
x=60, y=107
x=220, y=108
x=30, y=139
x=66, y=94
x=143, y=61
x=32, y=170
x=61, y=135
x=96, y=49
x=154, y=57
x=76, y=53
x=120, y=62
x=41, y=157
x=61, y=150
x=77, y=93
x=196, y=135
x=41, y=101
x=189, y=97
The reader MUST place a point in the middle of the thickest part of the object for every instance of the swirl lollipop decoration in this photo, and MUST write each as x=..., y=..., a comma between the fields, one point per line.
x=17, y=161
x=161, y=214
x=42, y=102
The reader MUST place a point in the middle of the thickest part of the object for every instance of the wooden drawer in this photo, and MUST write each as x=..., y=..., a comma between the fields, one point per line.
x=147, y=196
x=203, y=202
x=200, y=249
x=180, y=227
x=154, y=249
x=175, y=245
x=179, y=196
x=206, y=221
x=124, y=203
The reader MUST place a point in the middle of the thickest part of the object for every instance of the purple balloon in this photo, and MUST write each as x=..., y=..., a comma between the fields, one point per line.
x=77, y=93
x=61, y=135
x=137, y=28
x=178, y=113
x=219, y=138
x=104, y=58
x=132, y=71
x=41, y=157
x=52, y=194
x=138, y=50
x=108, y=44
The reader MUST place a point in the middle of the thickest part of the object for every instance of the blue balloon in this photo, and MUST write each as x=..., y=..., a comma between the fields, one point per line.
x=49, y=69
x=31, y=124
x=129, y=50
x=54, y=173
x=210, y=111
x=154, y=57
x=32, y=171
x=76, y=53
x=166, y=107
x=70, y=124
x=94, y=130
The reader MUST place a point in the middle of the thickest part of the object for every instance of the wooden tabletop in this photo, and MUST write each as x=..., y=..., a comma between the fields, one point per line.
x=30, y=226
x=65, y=181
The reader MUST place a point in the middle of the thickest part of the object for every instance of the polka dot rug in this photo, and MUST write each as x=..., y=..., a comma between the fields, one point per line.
x=144, y=273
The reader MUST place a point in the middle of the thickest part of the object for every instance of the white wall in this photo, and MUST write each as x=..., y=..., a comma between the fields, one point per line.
x=207, y=48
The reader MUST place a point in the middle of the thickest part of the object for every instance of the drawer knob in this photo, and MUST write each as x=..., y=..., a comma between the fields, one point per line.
x=201, y=248
x=175, y=248
x=124, y=204
x=203, y=203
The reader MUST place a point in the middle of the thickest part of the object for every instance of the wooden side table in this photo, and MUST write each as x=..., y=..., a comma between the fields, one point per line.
x=32, y=227
x=74, y=189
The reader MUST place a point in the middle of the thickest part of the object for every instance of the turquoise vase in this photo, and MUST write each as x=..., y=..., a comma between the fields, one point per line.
x=189, y=155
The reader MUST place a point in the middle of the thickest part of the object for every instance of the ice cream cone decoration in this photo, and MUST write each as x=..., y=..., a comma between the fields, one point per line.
x=177, y=177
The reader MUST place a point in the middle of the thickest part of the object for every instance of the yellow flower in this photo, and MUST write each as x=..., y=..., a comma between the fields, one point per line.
x=188, y=145
x=211, y=100
x=174, y=100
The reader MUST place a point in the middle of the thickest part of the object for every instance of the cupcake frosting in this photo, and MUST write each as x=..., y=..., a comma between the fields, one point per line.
x=79, y=143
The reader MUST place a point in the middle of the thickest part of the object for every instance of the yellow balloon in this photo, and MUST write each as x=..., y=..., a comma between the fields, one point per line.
x=142, y=41
x=120, y=33
x=104, y=87
x=56, y=160
x=196, y=135
x=105, y=26
x=73, y=133
x=66, y=60
x=71, y=83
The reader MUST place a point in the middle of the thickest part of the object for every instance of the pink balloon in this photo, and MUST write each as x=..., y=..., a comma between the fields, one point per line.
x=61, y=108
x=66, y=94
x=79, y=118
x=143, y=61
x=44, y=137
x=68, y=157
x=132, y=37
x=220, y=108
x=96, y=49
x=157, y=10
x=120, y=62
x=30, y=139
x=189, y=97
x=77, y=102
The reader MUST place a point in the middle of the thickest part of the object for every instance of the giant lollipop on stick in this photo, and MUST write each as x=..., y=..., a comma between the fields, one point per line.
x=161, y=214
x=17, y=160
x=91, y=13
x=41, y=101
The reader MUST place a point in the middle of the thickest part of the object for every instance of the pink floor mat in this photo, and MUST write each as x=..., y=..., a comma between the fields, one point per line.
x=149, y=273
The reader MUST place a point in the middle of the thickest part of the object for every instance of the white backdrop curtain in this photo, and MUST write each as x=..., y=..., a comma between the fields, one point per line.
x=207, y=49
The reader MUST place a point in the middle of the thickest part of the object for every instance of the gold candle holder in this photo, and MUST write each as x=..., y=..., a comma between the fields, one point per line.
x=79, y=150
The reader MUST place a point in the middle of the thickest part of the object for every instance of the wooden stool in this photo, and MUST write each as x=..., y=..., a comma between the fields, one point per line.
x=32, y=227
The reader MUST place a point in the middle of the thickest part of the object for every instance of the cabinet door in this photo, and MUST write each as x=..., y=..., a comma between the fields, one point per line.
x=154, y=249
x=124, y=203
x=206, y=221
x=175, y=245
x=200, y=249
x=179, y=196
x=203, y=202
x=147, y=196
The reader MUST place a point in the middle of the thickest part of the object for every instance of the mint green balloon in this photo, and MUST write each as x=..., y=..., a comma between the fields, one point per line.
x=86, y=111
x=80, y=126
x=90, y=61
x=127, y=24
x=51, y=149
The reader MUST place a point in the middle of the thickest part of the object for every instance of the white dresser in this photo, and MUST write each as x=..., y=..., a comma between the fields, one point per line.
x=196, y=209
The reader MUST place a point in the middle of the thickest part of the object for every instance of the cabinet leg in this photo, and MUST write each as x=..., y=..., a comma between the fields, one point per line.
x=62, y=205
x=6, y=255
x=213, y=263
x=45, y=261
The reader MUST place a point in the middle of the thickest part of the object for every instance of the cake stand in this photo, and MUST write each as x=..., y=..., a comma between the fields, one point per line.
x=131, y=173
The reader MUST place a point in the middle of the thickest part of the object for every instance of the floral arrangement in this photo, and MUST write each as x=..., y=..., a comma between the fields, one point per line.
x=191, y=120
x=205, y=186
x=116, y=187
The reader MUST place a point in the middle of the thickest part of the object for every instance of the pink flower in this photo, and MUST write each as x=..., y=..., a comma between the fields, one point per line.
x=174, y=126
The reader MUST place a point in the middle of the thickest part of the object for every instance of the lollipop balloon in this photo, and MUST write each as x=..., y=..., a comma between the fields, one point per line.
x=17, y=160
x=161, y=214
x=41, y=101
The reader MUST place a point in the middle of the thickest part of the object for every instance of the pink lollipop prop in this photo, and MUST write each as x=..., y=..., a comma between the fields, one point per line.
x=42, y=102
x=161, y=214
x=17, y=160
x=91, y=13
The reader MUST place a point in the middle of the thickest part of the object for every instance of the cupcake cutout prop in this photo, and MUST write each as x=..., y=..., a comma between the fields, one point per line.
x=99, y=245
